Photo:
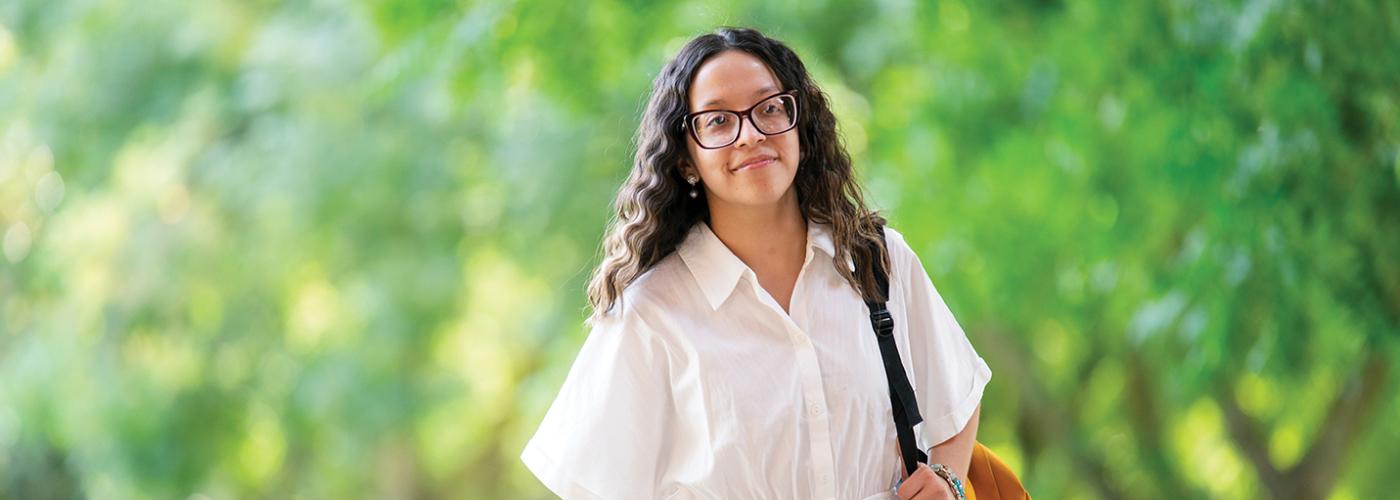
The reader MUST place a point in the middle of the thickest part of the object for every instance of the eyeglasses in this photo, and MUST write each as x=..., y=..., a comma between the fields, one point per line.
x=717, y=128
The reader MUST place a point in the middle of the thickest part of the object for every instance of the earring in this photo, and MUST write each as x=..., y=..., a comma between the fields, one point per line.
x=692, y=180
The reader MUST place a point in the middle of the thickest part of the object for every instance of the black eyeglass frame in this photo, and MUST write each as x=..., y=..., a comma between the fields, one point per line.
x=744, y=116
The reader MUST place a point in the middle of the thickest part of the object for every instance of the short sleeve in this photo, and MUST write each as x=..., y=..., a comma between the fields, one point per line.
x=948, y=374
x=604, y=436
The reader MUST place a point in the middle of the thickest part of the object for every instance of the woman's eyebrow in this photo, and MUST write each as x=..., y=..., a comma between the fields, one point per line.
x=765, y=90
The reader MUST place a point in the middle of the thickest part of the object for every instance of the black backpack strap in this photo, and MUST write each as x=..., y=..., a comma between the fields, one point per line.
x=902, y=401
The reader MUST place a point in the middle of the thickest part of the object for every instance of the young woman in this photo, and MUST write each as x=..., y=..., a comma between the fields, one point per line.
x=731, y=354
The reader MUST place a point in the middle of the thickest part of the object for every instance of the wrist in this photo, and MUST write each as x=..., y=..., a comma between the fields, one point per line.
x=950, y=477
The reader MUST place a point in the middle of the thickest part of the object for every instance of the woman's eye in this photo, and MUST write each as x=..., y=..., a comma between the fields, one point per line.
x=770, y=109
x=717, y=120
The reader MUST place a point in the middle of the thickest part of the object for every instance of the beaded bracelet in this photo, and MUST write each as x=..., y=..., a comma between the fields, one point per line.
x=952, y=479
x=948, y=476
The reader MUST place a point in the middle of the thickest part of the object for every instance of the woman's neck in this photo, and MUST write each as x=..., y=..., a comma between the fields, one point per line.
x=770, y=240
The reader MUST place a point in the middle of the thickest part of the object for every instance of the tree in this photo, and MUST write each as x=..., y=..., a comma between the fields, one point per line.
x=255, y=249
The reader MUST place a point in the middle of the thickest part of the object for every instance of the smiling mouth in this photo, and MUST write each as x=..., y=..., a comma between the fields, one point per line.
x=756, y=164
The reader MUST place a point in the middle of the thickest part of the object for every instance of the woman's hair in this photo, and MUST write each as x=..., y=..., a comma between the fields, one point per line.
x=654, y=211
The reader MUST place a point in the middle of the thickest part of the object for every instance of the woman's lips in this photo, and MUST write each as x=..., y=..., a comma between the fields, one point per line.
x=757, y=164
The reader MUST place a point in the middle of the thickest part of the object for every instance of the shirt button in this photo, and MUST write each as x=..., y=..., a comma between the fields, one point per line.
x=824, y=479
x=814, y=409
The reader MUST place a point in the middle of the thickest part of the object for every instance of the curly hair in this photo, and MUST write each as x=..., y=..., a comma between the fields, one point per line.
x=654, y=213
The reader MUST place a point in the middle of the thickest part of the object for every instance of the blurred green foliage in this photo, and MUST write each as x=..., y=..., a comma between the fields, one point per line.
x=335, y=249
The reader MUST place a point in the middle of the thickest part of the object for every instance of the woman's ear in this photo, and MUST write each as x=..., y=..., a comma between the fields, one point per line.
x=687, y=170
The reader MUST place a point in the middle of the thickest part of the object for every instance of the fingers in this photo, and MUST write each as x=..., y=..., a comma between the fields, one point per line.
x=908, y=490
x=916, y=483
x=924, y=485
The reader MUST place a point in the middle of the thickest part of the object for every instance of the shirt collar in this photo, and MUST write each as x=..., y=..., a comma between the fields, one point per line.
x=717, y=270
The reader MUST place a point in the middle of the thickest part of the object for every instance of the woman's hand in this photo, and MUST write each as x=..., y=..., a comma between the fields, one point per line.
x=923, y=484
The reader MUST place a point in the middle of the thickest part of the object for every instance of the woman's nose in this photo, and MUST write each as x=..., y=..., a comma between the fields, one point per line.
x=749, y=134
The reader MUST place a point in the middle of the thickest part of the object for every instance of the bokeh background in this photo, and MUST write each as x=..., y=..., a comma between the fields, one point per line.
x=335, y=249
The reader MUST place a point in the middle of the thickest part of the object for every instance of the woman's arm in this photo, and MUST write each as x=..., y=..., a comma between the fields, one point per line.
x=956, y=452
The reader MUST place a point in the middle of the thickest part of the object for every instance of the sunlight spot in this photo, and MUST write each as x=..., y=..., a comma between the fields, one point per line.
x=1286, y=443
x=8, y=50
x=1153, y=316
x=954, y=15
x=17, y=241
x=39, y=159
x=1210, y=461
x=1258, y=396
x=314, y=314
x=167, y=358
x=1112, y=111
x=263, y=447
x=48, y=193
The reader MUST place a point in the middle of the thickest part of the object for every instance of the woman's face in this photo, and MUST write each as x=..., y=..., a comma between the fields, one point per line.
x=756, y=170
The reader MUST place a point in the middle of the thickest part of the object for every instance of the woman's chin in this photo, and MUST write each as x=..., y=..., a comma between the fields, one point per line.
x=759, y=197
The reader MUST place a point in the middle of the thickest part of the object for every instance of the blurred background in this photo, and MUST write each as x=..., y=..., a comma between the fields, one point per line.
x=335, y=249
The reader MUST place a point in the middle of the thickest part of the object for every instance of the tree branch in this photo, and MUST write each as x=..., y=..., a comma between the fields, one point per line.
x=1349, y=414
x=1317, y=472
x=1040, y=414
x=1248, y=435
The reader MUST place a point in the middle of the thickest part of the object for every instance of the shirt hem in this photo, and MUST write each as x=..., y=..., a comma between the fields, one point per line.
x=551, y=474
x=958, y=419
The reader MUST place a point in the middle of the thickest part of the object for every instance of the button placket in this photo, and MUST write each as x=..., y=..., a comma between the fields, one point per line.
x=809, y=370
x=819, y=426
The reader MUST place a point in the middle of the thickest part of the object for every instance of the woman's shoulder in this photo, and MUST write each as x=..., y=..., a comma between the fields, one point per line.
x=897, y=246
x=664, y=280
x=906, y=266
x=647, y=295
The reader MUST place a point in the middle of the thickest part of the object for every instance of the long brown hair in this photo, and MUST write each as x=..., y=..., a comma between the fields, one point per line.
x=654, y=212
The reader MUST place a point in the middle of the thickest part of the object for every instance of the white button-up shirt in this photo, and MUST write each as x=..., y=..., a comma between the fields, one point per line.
x=700, y=386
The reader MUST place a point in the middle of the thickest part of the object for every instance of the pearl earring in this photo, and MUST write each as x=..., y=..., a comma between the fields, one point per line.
x=692, y=180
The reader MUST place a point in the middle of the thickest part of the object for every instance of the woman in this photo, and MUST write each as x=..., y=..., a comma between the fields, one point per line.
x=731, y=353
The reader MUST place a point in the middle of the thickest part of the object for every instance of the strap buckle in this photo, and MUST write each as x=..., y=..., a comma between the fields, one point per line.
x=882, y=322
